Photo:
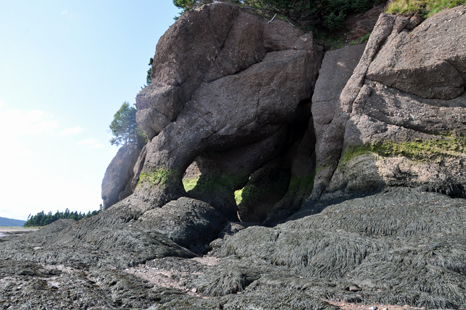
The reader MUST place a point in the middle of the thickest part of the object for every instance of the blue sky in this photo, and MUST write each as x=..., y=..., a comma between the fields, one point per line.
x=65, y=69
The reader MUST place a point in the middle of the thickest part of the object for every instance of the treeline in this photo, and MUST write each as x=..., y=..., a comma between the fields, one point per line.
x=42, y=219
x=308, y=14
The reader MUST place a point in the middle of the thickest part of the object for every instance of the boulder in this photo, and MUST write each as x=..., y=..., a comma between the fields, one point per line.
x=190, y=223
x=429, y=61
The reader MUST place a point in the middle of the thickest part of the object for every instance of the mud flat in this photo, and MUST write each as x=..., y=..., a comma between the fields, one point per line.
x=8, y=231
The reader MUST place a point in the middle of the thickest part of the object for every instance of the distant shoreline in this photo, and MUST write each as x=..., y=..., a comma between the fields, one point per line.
x=14, y=230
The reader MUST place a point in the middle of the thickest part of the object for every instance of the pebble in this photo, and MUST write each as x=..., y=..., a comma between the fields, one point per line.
x=373, y=308
x=354, y=288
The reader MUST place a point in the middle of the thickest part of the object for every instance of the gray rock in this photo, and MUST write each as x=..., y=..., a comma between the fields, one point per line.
x=190, y=223
x=138, y=168
x=399, y=120
x=337, y=67
x=116, y=184
x=354, y=288
x=389, y=244
x=425, y=62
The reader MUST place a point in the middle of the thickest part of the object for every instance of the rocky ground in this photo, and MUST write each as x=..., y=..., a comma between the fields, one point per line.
x=7, y=232
x=397, y=249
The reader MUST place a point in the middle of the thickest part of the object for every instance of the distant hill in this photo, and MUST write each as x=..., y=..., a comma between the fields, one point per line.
x=11, y=222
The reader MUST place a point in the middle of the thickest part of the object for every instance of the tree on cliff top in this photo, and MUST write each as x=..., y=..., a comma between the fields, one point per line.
x=124, y=128
x=187, y=5
x=325, y=14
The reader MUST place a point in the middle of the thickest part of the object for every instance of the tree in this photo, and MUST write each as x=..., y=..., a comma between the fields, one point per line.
x=124, y=128
x=42, y=219
x=308, y=14
x=186, y=5
x=149, y=72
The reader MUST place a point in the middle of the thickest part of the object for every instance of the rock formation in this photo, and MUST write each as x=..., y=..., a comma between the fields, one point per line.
x=214, y=99
x=116, y=184
x=399, y=117
x=232, y=93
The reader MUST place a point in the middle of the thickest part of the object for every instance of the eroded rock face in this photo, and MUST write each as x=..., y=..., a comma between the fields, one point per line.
x=116, y=184
x=429, y=61
x=223, y=79
x=398, y=120
x=337, y=67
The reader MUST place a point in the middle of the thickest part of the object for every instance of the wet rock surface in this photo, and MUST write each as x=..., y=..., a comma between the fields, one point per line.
x=401, y=247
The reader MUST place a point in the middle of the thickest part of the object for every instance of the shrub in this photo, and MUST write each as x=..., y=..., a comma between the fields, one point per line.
x=425, y=8
x=327, y=14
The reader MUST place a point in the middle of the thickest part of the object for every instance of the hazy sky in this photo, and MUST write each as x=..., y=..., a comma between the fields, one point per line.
x=65, y=69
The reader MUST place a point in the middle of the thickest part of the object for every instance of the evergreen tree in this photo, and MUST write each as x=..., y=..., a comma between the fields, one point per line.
x=325, y=14
x=124, y=128
x=42, y=219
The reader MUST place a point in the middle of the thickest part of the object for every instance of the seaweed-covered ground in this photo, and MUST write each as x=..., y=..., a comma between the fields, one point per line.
x=401, y=247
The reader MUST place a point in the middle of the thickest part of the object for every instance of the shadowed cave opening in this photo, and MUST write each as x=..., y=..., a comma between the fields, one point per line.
x=267, y=180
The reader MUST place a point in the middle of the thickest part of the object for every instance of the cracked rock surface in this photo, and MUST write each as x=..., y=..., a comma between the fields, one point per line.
x=399, y=119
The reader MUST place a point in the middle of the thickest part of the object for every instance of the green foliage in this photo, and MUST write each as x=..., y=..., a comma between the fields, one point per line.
x=334, y=22
x=189, y=184
x=407, y=6
x=157, y=177
x=362, y=39
x=329, y=14
x=434, y=7
x=186, y=5
x=425, y=8
x=239, y=196
x=149, y=72
x=42, y=219
x=124, y=128
x=424, y=150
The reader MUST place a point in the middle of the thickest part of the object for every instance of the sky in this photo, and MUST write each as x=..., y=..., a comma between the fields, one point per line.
x=66, y=67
